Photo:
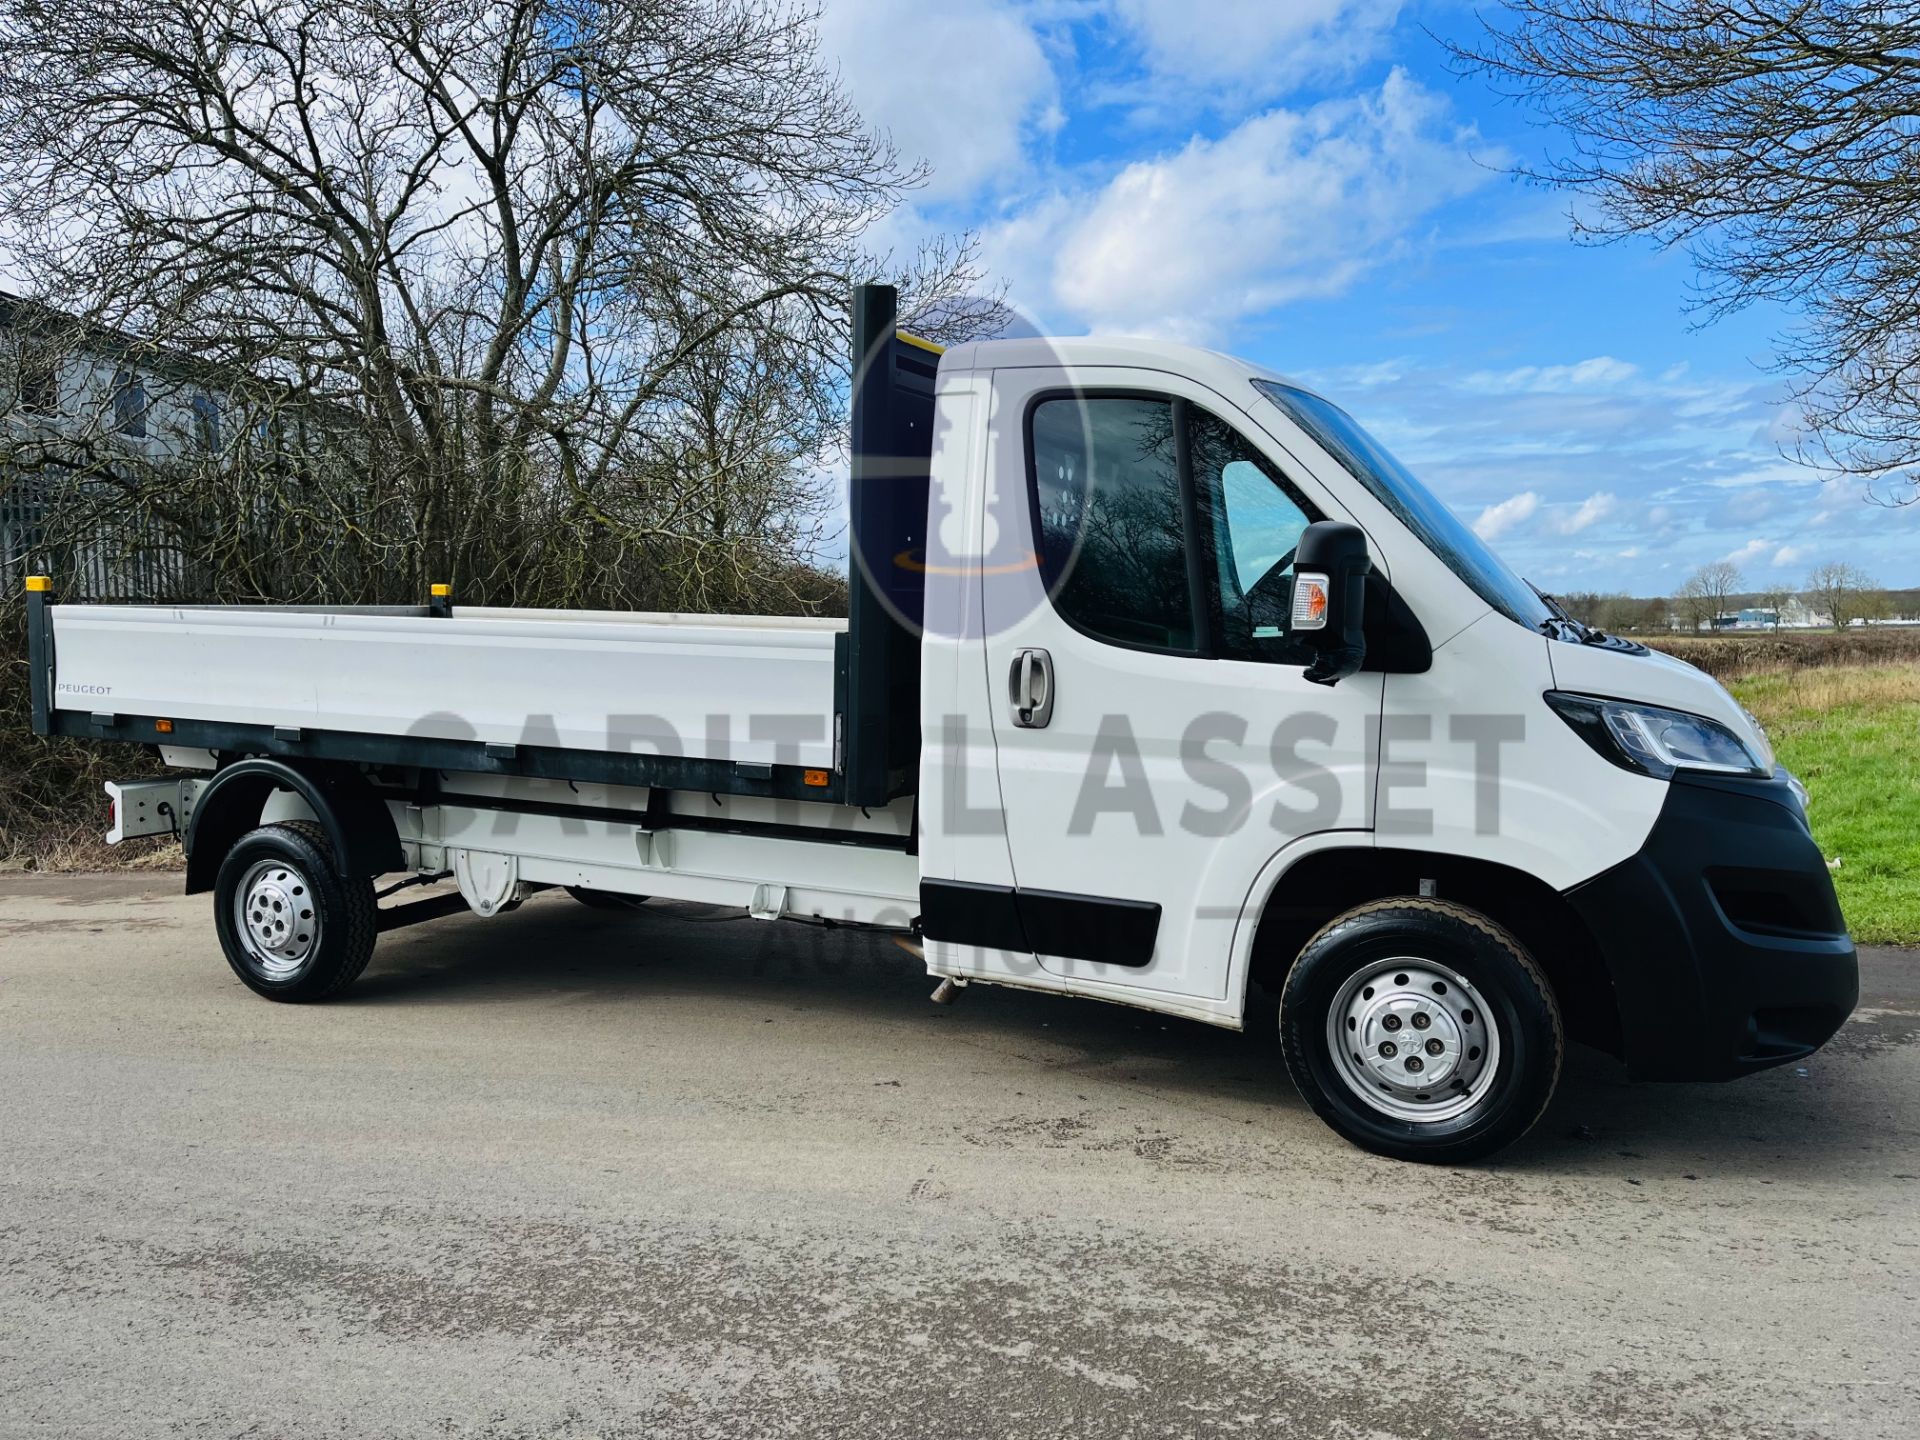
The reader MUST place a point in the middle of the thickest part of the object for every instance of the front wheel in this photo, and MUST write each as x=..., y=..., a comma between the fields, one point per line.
x=1421, y=1030
x=292, y=926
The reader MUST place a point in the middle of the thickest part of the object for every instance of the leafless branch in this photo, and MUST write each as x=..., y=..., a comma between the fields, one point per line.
x=1778, y=143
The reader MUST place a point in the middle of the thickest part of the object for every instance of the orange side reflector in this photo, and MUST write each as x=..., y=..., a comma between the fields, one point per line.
x=819, y=779
x=163, y=727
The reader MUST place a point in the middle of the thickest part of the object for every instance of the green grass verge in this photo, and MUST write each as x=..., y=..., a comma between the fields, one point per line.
x=1852, y=734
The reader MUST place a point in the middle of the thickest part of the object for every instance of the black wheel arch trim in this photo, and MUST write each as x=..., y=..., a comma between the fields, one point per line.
x=356, y=820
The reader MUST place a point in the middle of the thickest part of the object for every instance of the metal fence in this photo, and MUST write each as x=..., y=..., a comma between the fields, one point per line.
x=95, y=558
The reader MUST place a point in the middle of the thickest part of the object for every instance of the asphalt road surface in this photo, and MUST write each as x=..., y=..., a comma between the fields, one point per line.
x=564, y=1173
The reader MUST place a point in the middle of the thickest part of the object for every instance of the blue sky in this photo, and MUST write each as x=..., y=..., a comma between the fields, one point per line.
x=1306, y=183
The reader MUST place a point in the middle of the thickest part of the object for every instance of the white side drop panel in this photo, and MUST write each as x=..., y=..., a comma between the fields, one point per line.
x=717, y=687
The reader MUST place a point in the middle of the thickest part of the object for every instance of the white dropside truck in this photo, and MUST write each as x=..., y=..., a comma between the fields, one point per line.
x=1161, y=680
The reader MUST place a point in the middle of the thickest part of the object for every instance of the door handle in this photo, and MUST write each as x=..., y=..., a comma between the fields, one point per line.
x=1030, y=687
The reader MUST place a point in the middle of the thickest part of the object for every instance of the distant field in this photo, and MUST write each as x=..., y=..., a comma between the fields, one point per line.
x=1843, y=709
x=1729, y=656
x=1852, y=733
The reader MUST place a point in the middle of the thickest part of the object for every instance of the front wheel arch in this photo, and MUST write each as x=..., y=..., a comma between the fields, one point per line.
x=1327, y=883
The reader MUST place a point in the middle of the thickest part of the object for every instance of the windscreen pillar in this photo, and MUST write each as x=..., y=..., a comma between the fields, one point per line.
x=891, y=440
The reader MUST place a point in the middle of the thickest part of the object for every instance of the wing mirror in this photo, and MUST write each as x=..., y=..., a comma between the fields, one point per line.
x=1330, y=570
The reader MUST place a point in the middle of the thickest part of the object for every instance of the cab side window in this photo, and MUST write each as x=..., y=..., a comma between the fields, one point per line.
x=1112, y=532
x=1256, y=520
x=1160, y=527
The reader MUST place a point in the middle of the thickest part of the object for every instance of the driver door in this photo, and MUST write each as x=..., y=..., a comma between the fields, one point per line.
x=1179, y=745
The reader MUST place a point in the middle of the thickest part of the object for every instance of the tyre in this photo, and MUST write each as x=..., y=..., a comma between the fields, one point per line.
x=292, y=926
x=1421, y=1030
x=605, y=899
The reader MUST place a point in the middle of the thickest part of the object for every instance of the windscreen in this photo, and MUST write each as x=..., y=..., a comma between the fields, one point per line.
x=1415, y=506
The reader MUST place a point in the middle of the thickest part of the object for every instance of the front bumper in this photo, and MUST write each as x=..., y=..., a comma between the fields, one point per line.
x=1723, y=938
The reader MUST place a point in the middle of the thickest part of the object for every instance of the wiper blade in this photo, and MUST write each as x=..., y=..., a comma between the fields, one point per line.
x=1552, y=604
x=1563, y=618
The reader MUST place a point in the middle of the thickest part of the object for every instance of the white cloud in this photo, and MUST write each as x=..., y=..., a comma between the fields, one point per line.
x=1497, y=520
x=1747, y=507
x=1789, y=555
x=1381, y=372
x=1265, y=45
x=1287, y=205
x=1596, y=507
x=1599, y=373
x=1785, y=427
x=1748, y=553
x=961, y=85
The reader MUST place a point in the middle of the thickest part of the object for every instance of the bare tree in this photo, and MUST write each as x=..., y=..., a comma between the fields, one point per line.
x=1605, y=610
x=1584, y=605
x=1703, y=598
x=1777, y=143
x=565, y=280
x=1842, y=591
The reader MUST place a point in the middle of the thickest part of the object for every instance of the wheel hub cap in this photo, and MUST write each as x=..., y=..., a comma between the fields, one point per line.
x=1413, y=1040
x=276, y=918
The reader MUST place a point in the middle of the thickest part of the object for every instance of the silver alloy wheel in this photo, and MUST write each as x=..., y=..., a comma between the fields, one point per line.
x=277, y=918
x=1414, y=1040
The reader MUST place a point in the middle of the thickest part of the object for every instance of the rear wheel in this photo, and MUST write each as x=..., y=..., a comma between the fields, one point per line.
x=605, y=899
x=1421, y=1030
x=292, y=926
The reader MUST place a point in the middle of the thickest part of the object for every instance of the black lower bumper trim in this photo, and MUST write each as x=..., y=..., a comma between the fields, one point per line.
x=1724, y=941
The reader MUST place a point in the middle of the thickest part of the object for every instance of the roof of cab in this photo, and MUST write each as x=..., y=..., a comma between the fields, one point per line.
x=1130, y=352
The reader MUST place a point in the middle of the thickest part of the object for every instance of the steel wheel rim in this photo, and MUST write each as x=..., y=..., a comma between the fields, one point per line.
x=276, y=918
x=1413, y=1040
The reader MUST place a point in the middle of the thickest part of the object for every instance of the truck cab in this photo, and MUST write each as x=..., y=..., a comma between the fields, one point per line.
x=1163, y=683
x=1191, y=806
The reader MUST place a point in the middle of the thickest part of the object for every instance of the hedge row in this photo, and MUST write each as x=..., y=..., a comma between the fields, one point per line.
x=1748, y=653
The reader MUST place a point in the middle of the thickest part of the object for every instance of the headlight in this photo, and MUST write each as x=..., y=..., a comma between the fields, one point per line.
x=1658, y=742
